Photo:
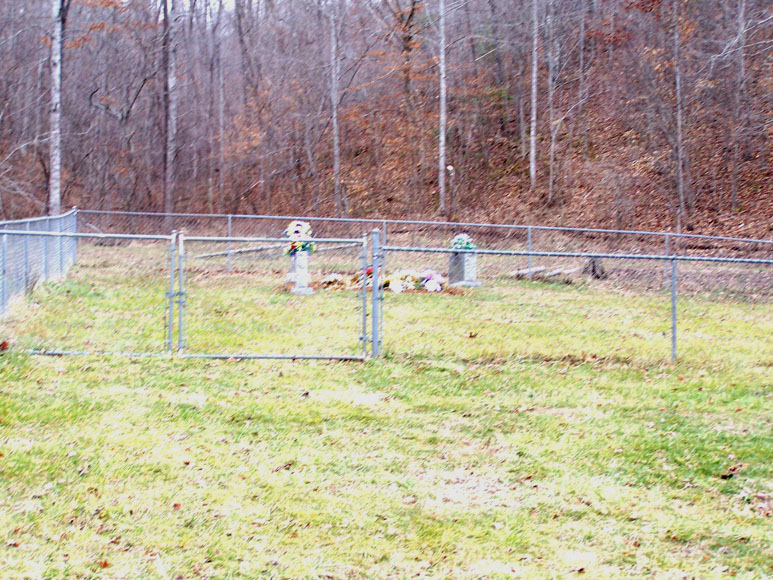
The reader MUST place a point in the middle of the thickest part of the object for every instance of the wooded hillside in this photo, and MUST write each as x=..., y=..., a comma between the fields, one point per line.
x=651, y=114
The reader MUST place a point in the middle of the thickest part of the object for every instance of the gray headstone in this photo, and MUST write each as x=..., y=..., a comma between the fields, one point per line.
x=463, y=269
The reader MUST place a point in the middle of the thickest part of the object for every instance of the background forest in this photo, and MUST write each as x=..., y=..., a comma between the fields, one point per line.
x=651, y=114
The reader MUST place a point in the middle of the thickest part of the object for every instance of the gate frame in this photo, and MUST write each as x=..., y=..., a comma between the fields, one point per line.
x=181, y=294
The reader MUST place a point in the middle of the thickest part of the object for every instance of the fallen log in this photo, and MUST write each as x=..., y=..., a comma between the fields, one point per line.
x=526, y=272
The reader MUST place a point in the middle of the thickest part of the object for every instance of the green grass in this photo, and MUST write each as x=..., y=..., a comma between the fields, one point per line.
x=517, y=431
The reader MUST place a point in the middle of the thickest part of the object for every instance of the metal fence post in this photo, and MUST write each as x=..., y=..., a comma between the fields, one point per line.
x=44, y=243
x=171, y=294
x=364, y=295
x=528, y=232
x=74, y=252
x=26, y=275
x=3, y=274
x=229, y=243
x=383, y=257
x=673, y=310
x=61, y=247
x=180, y=291
x=375, y=338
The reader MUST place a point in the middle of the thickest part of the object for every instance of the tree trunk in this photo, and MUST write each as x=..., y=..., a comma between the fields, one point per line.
x=740, y=94
x=680, y=187
x=582, y=88
x=334, y=108
x=550, y=38
x=220, y=115
x=59, y=13
x=534, y=63
x=169, y=63
x=443, y=112
x=500, y=70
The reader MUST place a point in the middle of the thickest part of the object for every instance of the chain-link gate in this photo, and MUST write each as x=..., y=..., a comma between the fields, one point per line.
x=243, y=298
x=113, y=300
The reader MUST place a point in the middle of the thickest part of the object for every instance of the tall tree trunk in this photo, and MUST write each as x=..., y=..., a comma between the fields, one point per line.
x=221, y=133
x=334, y=108
x=59, y=13
x=740, y=99
x=220, y=114
x=534, y=63
x=443, y=112
x=210, y=27
x=169, y=63
x=552, y=49
x=471, y=41
x=500, y=70
x=680, y=186
x=581, y=90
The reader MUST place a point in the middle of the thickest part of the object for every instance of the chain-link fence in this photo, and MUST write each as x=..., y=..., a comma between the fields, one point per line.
x=33, y=251
x=578, y=293
x=196, y=296
x=553, y=291
x=114, y=300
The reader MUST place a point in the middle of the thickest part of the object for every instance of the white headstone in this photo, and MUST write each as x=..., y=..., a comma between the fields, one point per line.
x=302, y=276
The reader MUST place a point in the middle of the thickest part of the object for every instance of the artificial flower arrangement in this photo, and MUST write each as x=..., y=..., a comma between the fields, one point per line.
x=300, y=235
x=403, y=280
x=462, y=242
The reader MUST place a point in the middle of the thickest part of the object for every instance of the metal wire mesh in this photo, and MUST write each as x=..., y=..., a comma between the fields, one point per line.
x=112, y=301
x=34, y=251
x=722, y=285
x=594, y=295
x=218, y=224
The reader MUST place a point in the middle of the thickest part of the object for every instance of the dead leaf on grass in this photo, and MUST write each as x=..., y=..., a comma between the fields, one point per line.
x=731, y=471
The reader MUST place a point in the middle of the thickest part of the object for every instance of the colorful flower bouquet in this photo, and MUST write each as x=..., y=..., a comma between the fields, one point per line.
x=300, y=236
x=462, y=242
x=404, y=280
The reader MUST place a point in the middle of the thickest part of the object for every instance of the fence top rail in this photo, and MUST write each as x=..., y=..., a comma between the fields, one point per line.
x=580, y=230
x=386, y=222
x=155, y=237
x=660, y=257
x=73, y=211
x=358, y=241
x=232, y=216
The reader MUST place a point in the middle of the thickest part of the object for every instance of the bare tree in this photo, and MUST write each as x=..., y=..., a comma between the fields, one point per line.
x=534, y=68
x=340, y=196
x=443, y=110
x=679, y=153
x=169, y=66
x=60, y=8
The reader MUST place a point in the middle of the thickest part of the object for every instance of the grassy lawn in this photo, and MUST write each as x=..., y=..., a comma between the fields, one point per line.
x=523, y=430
